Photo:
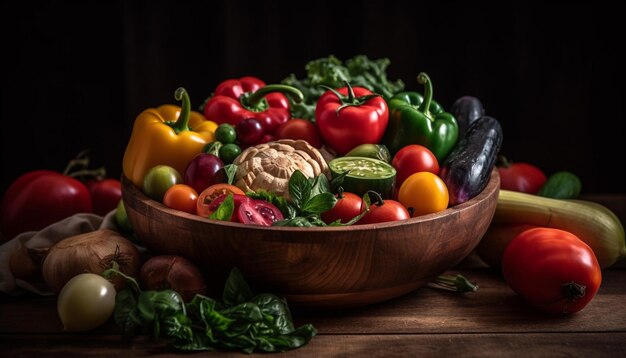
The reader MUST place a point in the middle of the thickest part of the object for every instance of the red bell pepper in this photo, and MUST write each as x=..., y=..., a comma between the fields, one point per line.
x=249, y=97
x=348, y=117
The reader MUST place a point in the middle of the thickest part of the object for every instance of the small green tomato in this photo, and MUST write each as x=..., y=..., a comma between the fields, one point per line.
x=86, y=302
x=159, y=179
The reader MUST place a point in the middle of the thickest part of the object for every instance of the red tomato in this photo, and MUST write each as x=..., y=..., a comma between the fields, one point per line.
x=412, y=159
x=211, y=193
x=181, y=197
x=362, y=120
x=347, y=207
x=390, y=210
x=300, y=129
x=522, y=177
x=552, y=269
x=258, y=212
x=40, y=198
x=105, y=195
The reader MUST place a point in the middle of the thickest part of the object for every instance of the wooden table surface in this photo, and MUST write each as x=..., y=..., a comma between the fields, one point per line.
x=493, y=321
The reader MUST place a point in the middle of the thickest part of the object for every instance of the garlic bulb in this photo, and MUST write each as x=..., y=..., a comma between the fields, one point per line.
x=92, y=252
x=269, y=166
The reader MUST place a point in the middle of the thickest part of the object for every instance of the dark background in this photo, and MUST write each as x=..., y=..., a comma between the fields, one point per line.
x=76, y=74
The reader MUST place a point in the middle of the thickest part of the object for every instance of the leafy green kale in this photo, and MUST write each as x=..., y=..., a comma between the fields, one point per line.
x=331, y=72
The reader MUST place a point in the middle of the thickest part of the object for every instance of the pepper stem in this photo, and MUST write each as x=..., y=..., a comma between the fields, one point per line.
x=182, y=123
x=294, y=94
x=423, y=79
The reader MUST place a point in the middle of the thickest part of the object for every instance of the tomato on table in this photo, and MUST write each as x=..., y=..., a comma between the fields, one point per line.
x=105, y=194
x=552, y=269
x=522, y=177
x=40, y=198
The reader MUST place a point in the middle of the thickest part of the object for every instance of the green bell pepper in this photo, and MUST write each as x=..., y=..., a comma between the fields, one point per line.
x=415, y=119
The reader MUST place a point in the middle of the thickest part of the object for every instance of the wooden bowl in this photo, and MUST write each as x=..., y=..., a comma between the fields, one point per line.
x=326, y=267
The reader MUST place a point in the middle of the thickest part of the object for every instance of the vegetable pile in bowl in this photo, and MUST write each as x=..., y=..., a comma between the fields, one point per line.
x=371, y=198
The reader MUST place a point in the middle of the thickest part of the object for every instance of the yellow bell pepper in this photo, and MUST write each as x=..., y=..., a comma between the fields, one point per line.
x=167, y=135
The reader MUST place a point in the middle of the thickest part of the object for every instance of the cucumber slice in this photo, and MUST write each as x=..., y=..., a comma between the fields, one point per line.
x=364, y=174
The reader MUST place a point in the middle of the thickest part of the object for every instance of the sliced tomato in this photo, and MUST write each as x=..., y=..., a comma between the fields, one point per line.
x=258, y=212
x=209, y=194
x=238, y=200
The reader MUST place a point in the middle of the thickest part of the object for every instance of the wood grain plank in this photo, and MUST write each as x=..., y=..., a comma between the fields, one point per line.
x=453, y=345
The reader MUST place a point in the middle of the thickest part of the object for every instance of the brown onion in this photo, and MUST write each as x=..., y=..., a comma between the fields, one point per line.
x=92, y=252
x=172, y=272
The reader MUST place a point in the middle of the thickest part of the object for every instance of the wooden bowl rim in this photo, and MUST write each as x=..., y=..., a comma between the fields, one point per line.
x=492, y=186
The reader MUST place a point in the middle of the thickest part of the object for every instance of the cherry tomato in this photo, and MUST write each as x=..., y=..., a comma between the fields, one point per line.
x=86, y=302
x=258, y=212
x=40, y=198
x=300, y=129
x=412, y=159
x=225, y=133
x=203, y=171
x=552, y=269
x=522, y=177
x=424, y=193
x=390, y=210
x=229, y=152
x=249, y=131
x=211, y=193
x=181, y=197
x=105, y=194
x=347, y=207
x=158, y=180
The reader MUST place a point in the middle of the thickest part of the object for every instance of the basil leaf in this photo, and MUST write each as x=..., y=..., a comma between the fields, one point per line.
x=236, y=289
x=125, y=303
x=320, y=185
x=337, y=181
x=319, y=203
x=299, y=188
x=225, y=211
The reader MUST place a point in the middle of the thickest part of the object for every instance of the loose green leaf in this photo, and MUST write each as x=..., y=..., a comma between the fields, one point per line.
x=241, y=322
x=236, y=290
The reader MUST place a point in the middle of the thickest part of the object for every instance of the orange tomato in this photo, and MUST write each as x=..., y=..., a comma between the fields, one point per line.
x=209, y=194
x=181, y=197
x=423, y=193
